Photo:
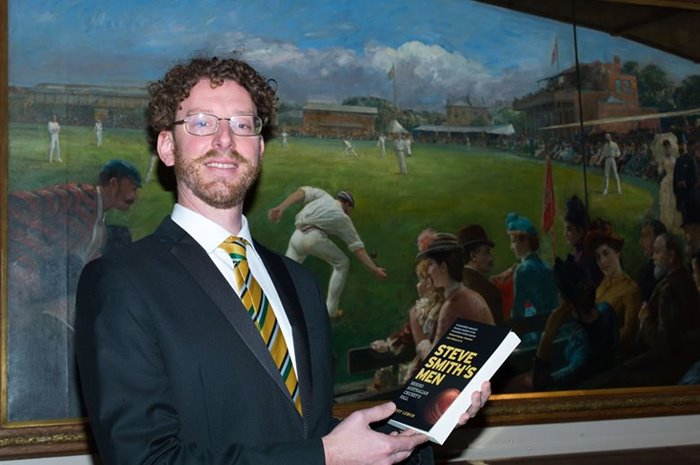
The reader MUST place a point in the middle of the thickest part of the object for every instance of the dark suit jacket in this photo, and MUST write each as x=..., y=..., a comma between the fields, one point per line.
x=673, y=311
x=684, y=178
x=174, y=371
x=480, y=284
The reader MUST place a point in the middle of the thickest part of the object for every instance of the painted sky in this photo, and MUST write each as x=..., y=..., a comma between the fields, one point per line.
x=315, y=50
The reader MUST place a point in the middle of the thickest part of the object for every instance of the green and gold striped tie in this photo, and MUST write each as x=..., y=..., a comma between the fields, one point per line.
x=262, y=313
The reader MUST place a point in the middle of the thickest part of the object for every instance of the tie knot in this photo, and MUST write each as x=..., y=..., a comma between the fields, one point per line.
x=235, y=248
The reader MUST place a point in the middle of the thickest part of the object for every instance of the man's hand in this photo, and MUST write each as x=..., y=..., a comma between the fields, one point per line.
x=379, y=345
x=353, y=442
x=379, y=272
x=274, y=214
x=479, y=398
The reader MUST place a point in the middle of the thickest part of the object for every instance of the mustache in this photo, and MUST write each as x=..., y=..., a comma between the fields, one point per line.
x=232, y=154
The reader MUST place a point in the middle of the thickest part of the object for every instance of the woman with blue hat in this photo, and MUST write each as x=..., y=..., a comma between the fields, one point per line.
x=534, y=289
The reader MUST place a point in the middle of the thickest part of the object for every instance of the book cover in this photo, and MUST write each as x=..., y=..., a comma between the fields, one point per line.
x=468, y=354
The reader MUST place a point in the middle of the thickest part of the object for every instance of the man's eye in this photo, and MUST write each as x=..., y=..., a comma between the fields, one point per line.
x=201, y=123
x=244, y=124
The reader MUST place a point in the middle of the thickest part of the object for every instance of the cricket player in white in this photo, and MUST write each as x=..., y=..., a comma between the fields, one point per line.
x=610, y=152
x=322, y=216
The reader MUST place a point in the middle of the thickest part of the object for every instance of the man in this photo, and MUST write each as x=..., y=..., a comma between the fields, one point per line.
x=99, y=132
x=52, y=233
x=478, y=264
x=63, y=224
x=691, y=233
x=349, y=149
x=174, y=369
x=323, y=216
x=381, y=143
x=672, y=310
x=400, y=146
x=610, y=152
x=54, y=143
x=684, y=178
x=646, y=280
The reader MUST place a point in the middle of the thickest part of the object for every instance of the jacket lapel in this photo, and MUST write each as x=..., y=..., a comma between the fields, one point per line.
x=200, y=267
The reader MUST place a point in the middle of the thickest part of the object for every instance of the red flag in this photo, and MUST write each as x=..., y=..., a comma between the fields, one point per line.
x=548, y=208
x=555, y=51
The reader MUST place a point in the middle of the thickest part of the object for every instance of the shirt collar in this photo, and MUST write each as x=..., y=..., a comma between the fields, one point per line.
x=207, y=233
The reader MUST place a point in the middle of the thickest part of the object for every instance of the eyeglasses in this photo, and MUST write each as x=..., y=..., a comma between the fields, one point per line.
x=205, y=124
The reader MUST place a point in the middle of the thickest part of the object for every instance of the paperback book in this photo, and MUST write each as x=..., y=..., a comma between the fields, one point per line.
x=468, y=354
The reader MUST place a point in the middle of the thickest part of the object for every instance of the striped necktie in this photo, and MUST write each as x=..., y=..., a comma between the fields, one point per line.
x=262, y=313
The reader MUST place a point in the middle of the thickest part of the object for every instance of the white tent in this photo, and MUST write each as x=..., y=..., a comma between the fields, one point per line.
x=396, y=128
x=501, y=130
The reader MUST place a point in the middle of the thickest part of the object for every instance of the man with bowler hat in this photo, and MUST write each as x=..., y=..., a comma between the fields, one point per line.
x=478, y=262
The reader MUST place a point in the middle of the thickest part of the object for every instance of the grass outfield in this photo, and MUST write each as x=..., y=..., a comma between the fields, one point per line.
x=447, y=186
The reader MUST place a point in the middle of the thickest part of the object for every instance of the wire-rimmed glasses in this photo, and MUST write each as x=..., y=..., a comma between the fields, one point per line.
x=206, y=124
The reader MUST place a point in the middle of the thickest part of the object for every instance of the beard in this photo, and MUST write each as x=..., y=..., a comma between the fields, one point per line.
x=659, y=271
x=218, y=192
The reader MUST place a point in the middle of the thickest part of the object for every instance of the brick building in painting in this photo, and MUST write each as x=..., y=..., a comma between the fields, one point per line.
x=78, y=104
x=606, y=92
x=465, y=114
x=333, y=120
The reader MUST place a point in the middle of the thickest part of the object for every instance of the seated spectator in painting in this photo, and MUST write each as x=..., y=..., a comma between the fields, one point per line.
x=576, y=225
x=691, y=226
x=617, y=288
x=478, y=264
x=592, y=342
x=533, y=282
x=673, y=309
x=418, y=332
x=445, y=267
x=692, y=376
x=646, y=280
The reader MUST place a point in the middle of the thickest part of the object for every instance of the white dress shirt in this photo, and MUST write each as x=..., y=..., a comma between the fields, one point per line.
x=210, y=235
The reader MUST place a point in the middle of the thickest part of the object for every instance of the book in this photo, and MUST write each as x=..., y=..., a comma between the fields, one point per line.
x=468, y=354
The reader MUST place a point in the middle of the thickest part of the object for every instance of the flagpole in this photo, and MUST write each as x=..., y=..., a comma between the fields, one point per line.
x=393, y=81
x=582, y=132
x=549, y=209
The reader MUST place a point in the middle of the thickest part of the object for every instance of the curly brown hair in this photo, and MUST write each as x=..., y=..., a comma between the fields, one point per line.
x=168, y=93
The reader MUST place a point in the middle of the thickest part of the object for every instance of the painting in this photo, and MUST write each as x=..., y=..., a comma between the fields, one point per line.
x=429, y=119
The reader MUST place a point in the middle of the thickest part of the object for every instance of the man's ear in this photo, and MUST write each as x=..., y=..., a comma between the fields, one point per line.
x=166, y=147
x=262, y=146
x=109, y=191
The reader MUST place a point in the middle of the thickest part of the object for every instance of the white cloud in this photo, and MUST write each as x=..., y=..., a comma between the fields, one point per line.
x=426, y=75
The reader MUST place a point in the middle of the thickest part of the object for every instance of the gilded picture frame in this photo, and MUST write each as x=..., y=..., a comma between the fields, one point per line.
x=70, y=436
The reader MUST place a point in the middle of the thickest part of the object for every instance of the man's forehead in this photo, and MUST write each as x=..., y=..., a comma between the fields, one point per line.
x=129, y=181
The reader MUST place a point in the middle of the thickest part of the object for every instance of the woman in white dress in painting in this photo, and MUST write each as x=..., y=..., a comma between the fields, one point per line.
x=668, y=214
